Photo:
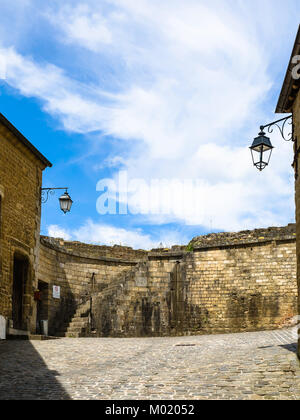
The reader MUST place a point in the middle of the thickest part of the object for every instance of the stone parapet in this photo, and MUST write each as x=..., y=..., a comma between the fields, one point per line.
x=245, y=237
x=116, y=252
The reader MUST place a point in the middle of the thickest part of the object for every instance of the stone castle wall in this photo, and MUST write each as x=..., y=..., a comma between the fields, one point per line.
x=96, y=251
x=296, y=120
x=243, y=287
x=20, y=183
x=227, y=283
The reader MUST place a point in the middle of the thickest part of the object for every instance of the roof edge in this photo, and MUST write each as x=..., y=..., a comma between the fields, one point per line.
x=290, y=86
x=24, y=140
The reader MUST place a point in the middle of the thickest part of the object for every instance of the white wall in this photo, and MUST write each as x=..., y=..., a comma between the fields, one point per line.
x=2, y=328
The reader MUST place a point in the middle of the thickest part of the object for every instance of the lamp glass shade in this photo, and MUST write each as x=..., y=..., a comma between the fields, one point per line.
x=261, y=151
x=65, y=202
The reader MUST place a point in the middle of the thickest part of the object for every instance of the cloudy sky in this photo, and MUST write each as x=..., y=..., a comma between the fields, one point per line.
x=166, y=90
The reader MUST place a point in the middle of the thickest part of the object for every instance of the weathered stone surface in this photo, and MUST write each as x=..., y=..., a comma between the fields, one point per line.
x=243, y=286
x=245, y=237
x=78, y=274
x=20, y=207
x=95, y=251
x=296, y=117
x=289, y=102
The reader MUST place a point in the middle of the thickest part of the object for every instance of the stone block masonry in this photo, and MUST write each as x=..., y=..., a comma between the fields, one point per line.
x=227, y=283
x=296, y=119
x=242, y=288
x=289, y=102
x=78, y=274
x=21, y=168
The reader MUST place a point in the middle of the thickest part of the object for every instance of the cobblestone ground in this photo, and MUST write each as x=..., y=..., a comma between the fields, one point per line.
x=261, y=365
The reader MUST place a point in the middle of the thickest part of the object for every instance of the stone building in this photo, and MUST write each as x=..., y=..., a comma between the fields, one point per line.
x=21, y=168
x=289, y=102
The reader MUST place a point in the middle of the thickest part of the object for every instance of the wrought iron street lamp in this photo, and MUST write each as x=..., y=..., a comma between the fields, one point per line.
x=65, y=200
x=261, y=151
x=262, y=148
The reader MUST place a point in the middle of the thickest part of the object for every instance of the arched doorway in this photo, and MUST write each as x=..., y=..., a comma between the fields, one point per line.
x=20, y=280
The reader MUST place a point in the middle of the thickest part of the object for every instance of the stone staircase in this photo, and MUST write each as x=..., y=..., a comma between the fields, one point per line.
x=80, y=324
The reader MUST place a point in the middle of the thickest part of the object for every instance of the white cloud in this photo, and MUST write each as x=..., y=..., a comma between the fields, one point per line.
x=83, y=26
x=103, y=234
x=61, y=96
x=57, y=232
x=190, y=76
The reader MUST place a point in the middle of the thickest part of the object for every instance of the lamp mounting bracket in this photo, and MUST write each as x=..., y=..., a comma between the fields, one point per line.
x=46, y=191
x=285, y=126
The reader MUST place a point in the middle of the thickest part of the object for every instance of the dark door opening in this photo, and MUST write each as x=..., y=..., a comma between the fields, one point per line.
x=20, y=276
x=42, y=306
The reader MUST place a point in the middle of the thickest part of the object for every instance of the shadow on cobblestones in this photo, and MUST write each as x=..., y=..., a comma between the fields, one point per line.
x=31, y=378
x=248, y=366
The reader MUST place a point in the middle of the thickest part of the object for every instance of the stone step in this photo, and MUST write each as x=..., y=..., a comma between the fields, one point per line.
x=75, y=326
x=83, y=307
x=71, y=335
x=77, y=329
x=74, y=335
x=79, y=317
x=14, y=333
x=37, y=337
x=77, y=323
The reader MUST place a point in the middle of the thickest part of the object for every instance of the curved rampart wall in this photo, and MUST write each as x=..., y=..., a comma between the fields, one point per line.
x=217, y=287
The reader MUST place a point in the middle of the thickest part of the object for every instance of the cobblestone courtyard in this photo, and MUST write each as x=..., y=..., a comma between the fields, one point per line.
x=260, y=365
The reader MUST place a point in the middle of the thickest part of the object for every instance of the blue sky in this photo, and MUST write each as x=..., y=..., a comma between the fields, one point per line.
x=167, y=90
